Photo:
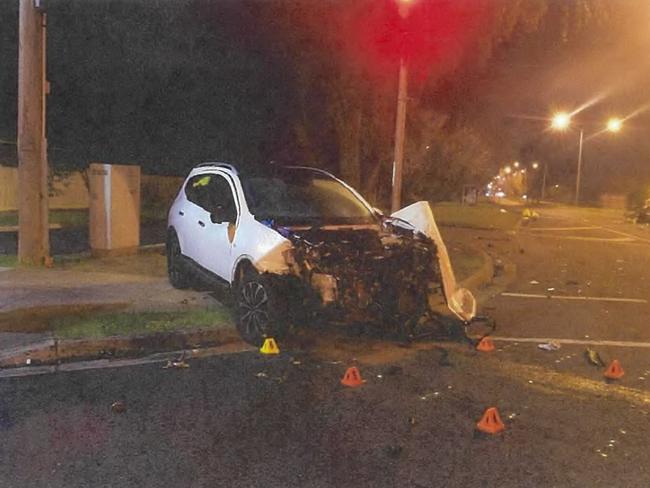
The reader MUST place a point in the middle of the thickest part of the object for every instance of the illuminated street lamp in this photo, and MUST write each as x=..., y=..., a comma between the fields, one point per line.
x=561, y=122
x=614, y=124
x=535, y=165
x=516, y=164
x=507, y=170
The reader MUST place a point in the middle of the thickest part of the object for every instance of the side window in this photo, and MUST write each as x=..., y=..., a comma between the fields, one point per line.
x=211, y=191
x=220, y=195
x=196, y=189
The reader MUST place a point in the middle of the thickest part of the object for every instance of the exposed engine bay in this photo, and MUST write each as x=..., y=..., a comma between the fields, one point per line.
x=379, y=273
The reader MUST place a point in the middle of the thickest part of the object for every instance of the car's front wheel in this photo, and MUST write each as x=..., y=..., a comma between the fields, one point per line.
x=259, y=308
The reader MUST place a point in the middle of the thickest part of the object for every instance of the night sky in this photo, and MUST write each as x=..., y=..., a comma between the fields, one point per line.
x=166, y=84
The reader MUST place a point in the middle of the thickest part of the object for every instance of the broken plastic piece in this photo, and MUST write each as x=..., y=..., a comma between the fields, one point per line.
x=593, y=357
x=549, y=346
x=118, y=407
x=459, y=300
x=176, y=364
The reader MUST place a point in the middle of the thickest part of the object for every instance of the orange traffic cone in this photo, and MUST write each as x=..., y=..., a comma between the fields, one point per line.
x=490, y=423
x=486, y=345
x=614, y=371
x=352, y=377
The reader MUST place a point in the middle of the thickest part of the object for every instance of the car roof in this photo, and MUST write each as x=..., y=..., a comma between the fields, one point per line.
x=257, y=170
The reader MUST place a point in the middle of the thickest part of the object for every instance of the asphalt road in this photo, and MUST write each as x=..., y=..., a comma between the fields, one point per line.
x=249, y=420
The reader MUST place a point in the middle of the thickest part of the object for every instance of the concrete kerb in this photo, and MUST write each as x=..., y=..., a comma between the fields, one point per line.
x=54, y=351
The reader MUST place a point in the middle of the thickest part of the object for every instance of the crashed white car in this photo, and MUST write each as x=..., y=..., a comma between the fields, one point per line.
x=294, y=243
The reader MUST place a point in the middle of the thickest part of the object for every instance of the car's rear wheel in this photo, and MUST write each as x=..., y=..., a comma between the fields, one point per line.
x=176, y=269
x=259, y=308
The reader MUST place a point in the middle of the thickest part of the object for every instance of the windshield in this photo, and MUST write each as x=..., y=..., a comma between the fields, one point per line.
x=301, y=196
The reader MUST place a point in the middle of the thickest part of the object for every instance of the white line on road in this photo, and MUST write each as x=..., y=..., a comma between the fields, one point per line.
x=569, y=297
x=591, y=239
x=549, y=229
x=584, y=342
x=632, y=236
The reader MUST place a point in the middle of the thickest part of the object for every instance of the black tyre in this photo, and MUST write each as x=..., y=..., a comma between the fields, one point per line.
x=259, y=308
x=176, y=269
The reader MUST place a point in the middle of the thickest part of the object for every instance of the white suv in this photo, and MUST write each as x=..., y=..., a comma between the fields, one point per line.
x=293, y=243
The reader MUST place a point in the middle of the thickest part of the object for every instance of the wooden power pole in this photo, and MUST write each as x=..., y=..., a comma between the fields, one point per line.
x=33, y=236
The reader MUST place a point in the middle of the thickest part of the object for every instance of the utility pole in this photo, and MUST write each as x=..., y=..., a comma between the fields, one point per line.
x=400, y=129
x=544, y=180
x=33, y=236
x=579, y=168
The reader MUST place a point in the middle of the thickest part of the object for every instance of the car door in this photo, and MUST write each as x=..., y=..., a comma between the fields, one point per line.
x=191, y=215
x=214, y=251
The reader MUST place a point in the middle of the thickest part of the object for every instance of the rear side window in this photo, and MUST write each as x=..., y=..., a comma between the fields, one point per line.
x=196, y=189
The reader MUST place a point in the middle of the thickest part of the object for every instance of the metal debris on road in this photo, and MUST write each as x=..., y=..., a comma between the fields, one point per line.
x=593, y=357
x=534, y=282
x=549, y=346
x=176, y=364
x=118, y=407
x=261, y=374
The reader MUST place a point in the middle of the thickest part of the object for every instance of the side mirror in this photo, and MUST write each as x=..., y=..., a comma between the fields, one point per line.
x=220, y=215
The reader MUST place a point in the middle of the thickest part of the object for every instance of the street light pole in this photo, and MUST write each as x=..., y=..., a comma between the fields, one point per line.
x=400, y=133
x=577, y=198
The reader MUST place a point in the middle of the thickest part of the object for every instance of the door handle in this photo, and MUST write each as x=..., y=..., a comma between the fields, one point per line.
x=181, y=213
x=201, y=223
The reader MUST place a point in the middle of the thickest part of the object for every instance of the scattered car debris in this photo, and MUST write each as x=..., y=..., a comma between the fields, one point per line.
x=393, y=370
x=176, y=364
x=393, y=451
x=118, y=407
x=534, y=282
x=261, y=374
x=549, y=346
x=593, y=357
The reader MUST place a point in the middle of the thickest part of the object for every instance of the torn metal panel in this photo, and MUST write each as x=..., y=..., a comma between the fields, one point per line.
x=459, y=300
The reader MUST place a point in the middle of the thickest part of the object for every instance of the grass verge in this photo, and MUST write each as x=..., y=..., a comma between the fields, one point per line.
x=481, y=216
x=127, y=323
x=465, y=261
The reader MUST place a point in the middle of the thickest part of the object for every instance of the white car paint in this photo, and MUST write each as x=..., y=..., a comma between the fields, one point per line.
x=210, y=245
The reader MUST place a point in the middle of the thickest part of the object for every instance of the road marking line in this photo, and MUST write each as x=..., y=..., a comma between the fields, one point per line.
x=632, y=236
x=581, y=238
x=550, y=229
x=569, y=297
x=584, y=342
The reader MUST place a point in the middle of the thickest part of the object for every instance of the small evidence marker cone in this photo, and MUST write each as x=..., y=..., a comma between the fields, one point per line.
x=352, y=377
x=269, y=346
x=614, y=371
x=486, y=345
x=491, y=422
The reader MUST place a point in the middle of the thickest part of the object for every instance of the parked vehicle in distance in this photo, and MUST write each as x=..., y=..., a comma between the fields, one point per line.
x=293, y=243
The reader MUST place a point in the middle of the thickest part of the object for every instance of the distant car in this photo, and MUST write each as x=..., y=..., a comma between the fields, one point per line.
x=294, y=243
